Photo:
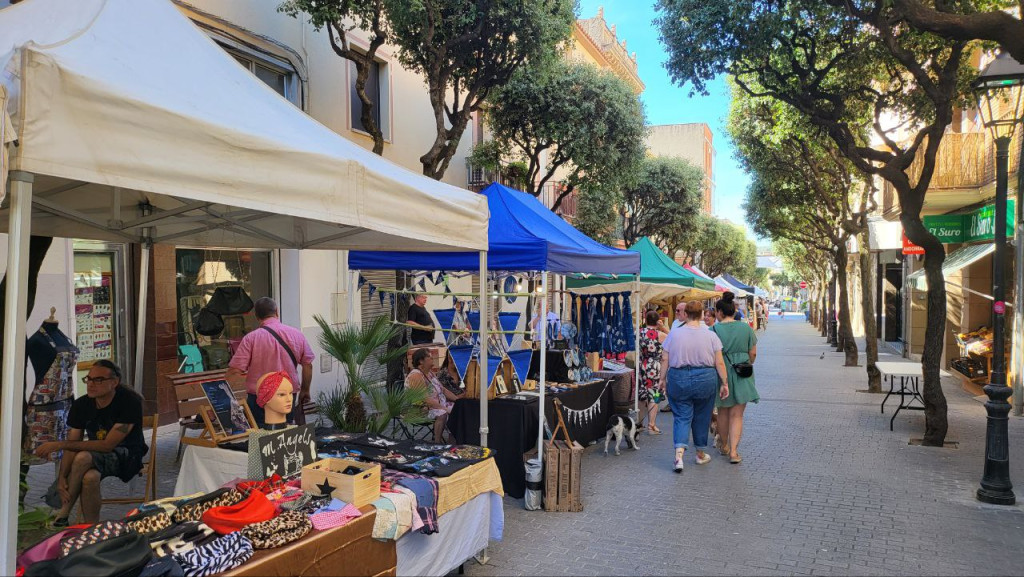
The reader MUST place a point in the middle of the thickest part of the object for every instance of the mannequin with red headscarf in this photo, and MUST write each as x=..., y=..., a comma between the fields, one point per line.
x=275, y=396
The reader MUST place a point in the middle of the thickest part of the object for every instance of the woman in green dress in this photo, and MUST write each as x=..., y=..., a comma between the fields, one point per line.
x=739, y=344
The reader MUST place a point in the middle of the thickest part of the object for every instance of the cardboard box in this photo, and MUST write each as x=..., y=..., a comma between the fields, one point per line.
x=360, y=489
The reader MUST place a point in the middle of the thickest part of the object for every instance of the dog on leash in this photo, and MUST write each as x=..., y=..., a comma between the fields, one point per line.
x=716, y=439
x=619, y=427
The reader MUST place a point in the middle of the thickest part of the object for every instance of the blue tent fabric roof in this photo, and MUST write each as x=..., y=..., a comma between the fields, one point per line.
x=523, y=236
x=732, y=280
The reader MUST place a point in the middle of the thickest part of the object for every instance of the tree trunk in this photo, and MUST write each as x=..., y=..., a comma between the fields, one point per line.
x=870, y=323
x=823, y=321
x=846, y=341
x=936, y=422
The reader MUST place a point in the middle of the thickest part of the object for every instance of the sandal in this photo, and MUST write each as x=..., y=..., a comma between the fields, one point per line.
x=652, y=430
x=60, y=522
x=736, y=460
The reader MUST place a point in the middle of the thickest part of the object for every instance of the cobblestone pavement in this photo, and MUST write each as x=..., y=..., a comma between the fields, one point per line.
x=824, y=489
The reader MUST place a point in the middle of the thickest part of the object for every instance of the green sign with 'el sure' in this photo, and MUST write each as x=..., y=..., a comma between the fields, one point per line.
x=974, y=226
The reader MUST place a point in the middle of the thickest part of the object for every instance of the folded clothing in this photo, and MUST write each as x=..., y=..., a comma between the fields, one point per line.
x=222, y=554
x=265, y=486
x=283, y=529
x=162, y=567
x=180, y=538
x=193, y=509
x=149, y=522
x=95, y=534
x=122, y=556
x=425, y=489
x=253, y=509
x=330, y=519
x=385, y=524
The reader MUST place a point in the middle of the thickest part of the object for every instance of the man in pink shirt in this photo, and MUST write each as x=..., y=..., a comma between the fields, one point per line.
x=273, y=347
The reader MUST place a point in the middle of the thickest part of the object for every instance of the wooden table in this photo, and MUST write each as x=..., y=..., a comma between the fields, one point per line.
x=910, y=375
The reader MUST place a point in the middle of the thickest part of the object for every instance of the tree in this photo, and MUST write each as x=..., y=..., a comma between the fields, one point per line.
x=834, y=65
x=966, y=20
x=341, y=18
x=596, y=214
x=726, y=250
x=759, y=276
x=570, y=118
x=465, y=49
x=663, y=203
x=802, y=188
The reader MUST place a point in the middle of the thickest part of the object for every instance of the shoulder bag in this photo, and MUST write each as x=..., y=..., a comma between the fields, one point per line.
x=743, y=370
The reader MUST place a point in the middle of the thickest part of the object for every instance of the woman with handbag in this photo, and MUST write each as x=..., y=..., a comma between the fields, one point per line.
x=739, y=347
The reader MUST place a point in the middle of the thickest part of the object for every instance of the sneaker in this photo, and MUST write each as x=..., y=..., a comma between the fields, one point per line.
x=703, y=458
x=678, y=466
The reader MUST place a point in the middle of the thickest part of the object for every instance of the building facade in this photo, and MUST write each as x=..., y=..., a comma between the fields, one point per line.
x=693, y=142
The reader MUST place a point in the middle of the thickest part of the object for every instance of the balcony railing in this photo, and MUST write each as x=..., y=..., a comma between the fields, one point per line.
x=965, y=160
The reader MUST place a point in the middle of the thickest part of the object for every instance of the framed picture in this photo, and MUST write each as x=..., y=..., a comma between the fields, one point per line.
x=229, y=412
x=499, y=381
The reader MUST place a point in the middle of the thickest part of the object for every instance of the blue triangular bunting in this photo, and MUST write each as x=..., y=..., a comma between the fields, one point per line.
x=508, y=323
x=370, y=290
x=521, y=362
x=460, y=356
x=474, y=320
x=422, y=284
x=362, y=281
x=445, y=318
x=382, y=295
x=392, y=296
x=492, y=368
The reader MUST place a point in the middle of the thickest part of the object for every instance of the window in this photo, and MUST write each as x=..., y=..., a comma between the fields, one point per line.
x=377, y=91
x=278, y=78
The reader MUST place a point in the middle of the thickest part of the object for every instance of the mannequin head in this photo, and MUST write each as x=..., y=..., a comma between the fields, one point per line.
x=274, y=394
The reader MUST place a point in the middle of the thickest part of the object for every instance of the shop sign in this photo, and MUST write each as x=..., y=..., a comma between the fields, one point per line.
x=979, y=225
x=911, y=248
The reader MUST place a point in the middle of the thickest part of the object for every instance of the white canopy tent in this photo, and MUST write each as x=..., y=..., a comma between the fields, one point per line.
x=124, y=122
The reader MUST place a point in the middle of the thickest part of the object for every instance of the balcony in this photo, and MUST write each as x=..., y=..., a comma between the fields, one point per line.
x=550, y=193
x=965, y=170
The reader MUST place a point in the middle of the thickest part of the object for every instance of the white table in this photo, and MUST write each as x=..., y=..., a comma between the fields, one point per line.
x=463, y=531
x=910, y=375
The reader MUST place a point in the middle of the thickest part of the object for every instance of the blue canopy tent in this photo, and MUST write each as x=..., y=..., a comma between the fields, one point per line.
x=736, y=283
x=523, y=236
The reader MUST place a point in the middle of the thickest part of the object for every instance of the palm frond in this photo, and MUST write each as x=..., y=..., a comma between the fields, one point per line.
x=405, y=403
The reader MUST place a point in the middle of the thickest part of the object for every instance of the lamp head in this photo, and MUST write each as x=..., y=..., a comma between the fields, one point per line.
x=999, y=90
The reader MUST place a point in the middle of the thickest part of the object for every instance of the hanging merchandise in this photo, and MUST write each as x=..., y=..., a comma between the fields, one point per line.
x=509, y=288
x=208, y=323
x=230, y=300
x=628, y=324
x=619, y=333
x=54, y=359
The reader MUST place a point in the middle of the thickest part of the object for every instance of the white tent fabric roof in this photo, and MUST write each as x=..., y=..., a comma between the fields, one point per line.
x=649, y=292
x=737, y=291
x=129, y=115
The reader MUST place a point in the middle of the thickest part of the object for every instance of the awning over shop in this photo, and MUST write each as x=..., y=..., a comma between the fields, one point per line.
x=135, y=123
x=524, y=236
x=956, y=260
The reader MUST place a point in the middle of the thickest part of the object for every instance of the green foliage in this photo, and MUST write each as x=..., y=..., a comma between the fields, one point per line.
x=569, y=118
x=405, y=403
x=352, y=346
x=721, y=247
x=759, y=276
x=663, y=203
x=465, y=49
x=596, y=214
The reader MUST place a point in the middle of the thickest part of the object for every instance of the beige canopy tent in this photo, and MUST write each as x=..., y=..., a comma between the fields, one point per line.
x=122, y=121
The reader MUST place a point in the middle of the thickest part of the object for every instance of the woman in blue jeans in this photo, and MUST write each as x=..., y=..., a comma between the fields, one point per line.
x=695, y=376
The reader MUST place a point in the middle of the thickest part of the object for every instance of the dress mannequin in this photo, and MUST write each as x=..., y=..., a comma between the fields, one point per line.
x=274, y=394
x=54, y=360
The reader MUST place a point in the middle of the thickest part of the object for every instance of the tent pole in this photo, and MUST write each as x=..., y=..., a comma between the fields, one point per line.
x=353, y=293
x=140, y=321
x=636, y=354
x=542, y=326
x=13, y=394
x=485, y=306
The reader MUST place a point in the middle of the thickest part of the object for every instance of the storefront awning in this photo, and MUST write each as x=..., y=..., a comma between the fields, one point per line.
x=956, y=260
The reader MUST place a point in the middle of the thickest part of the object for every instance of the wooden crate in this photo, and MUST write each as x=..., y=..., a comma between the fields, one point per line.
x=359, y=490
x=562, y=476
x=472, y=379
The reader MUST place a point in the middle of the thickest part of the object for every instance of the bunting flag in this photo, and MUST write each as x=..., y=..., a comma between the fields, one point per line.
x=445, y=318
x=508, y=321
x=402, y=298
x=422, y=284
x=460, y=357
x=440, y=278
x=382, y=296
x=392, y=297
x=362, y=281
x=493, y=362
x=369, y=291
x=474, y=320
x=448, y=289
x=521, y=360
x=582, y=417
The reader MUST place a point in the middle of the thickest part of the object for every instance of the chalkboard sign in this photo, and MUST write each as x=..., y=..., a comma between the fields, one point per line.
x=286, y=452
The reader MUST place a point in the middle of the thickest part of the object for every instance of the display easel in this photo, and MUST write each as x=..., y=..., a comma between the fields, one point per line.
x=212, y=434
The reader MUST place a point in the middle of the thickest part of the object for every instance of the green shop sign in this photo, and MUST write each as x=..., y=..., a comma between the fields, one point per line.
x=974, y=226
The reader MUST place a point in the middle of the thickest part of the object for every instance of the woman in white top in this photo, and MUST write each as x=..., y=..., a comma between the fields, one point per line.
x=696, y=373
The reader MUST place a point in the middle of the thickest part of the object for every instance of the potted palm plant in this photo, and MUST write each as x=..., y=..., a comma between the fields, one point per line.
x=353, y=345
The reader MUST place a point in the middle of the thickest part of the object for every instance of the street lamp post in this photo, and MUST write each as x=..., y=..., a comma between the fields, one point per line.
x=999, y=91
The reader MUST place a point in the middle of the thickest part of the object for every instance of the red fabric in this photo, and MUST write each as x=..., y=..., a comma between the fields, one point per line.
x=269, y=386
x=254, y=509
x=265, y=486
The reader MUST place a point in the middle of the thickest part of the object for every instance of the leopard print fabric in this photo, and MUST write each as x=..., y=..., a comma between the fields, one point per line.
x=91, y=536
x=280, y=530
x=193, y=510
x=148, y=523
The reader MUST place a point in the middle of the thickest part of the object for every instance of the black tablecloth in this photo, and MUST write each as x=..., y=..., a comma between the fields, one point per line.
x=513, y=426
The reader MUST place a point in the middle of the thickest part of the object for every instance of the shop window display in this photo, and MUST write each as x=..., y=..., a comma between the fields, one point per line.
x=208, y=279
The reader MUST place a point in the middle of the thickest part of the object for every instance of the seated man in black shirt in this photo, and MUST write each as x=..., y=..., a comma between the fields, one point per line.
x=420, y=317
x=111, y=417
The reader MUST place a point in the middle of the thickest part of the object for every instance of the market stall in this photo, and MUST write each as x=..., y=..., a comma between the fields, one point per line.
x=173, y=140
x=524, y=236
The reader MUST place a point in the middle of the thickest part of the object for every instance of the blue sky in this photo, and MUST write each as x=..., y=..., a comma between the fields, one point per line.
x=667, y=103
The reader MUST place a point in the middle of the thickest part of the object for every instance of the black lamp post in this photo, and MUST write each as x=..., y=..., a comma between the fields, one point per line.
x=999, y=90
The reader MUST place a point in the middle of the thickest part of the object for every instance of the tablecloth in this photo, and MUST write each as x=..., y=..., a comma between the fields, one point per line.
x=464, y=531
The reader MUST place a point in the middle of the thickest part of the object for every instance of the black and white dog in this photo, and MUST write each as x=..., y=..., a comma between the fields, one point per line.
x=619, y=426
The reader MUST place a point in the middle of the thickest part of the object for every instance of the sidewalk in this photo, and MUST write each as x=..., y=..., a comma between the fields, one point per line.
x=824, y=489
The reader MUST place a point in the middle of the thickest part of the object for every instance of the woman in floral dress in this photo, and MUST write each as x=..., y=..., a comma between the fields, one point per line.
x=651, y=337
